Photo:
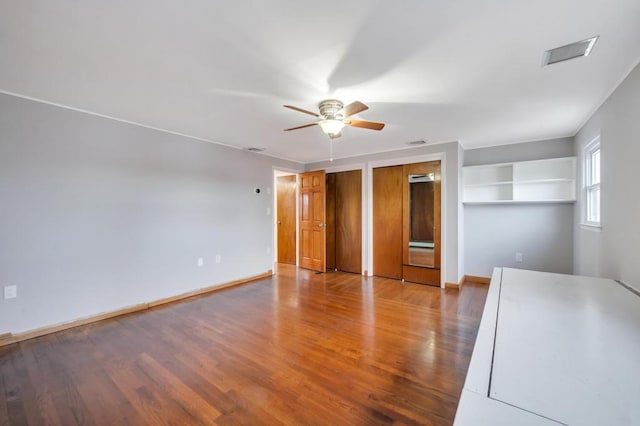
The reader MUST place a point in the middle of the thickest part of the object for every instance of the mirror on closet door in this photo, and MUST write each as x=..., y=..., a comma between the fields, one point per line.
x=421, y=219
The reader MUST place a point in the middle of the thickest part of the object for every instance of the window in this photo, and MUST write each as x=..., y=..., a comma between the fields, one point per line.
x=592, y=183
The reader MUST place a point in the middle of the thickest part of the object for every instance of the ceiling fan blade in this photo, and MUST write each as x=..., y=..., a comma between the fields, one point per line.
x=301, y=127
x=353, y=108
x=365, y=124
x=295, y=108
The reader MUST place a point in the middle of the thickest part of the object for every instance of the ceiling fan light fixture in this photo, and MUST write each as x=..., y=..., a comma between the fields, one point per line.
x=334, y=117
x=332, y=127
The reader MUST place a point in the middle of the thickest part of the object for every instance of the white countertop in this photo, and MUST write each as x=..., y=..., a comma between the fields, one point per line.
x=552, y=349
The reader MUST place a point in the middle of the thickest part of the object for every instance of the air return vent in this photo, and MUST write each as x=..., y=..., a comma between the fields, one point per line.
x=570, y=51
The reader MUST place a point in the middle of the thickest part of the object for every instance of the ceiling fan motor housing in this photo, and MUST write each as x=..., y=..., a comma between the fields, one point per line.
x=329, y=109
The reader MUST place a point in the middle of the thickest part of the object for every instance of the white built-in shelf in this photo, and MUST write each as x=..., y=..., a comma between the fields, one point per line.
x=524, y=182
x=491, y=184
x=540, y=181
x=519, y=202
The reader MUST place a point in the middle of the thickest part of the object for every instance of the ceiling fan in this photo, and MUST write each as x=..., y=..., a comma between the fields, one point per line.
x=335, y=116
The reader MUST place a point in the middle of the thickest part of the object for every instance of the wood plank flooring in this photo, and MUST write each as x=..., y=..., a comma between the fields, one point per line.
x=298, y=348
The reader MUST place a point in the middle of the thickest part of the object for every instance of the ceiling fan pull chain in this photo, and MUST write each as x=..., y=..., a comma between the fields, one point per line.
x=330, y=150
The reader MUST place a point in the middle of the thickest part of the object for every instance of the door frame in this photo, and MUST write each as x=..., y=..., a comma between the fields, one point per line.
x=439, y=156
x=363, y=219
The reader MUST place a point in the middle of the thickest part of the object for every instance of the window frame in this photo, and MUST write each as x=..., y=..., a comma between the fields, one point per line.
x=590, y=186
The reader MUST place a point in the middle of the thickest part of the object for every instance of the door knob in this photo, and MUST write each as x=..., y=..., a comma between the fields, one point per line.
x=279, y=222
x=322, y=225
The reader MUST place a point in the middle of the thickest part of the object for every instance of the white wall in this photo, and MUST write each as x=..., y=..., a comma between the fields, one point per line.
x=613, y=252
x=452, y=251
x=97, y=215
x=526, y=151
x=543, y=233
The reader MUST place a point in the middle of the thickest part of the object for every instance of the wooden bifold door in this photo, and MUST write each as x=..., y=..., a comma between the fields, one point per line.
x=387, y=222
x=344, y=221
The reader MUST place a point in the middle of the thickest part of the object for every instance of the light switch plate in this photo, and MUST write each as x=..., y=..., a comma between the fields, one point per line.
x=10, y=292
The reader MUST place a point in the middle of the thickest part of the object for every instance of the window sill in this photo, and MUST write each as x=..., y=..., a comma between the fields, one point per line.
x=591, y=227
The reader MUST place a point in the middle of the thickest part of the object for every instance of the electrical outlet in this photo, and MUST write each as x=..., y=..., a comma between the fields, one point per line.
x=10, y=292
x=268, y=211
x=518, y=257
x=200, y=262
x=218, y=258
x=268, y=250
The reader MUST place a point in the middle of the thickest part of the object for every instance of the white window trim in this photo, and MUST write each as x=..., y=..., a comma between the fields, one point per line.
x=589, y=227
x=595, y=144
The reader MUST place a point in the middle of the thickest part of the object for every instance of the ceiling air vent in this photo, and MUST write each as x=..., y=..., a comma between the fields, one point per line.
x=417, y=143
x=570, y=51
x=256, y=149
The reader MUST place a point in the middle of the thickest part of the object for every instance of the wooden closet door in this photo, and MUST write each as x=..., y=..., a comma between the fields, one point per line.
x=312, y=221
x=331, y=221
x=348, y=218
x=387, y=221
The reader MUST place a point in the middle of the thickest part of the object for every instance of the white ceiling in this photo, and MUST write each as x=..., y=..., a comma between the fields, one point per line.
x=462, y=70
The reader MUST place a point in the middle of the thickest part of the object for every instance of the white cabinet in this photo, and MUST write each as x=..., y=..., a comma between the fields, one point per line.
x=540, y=181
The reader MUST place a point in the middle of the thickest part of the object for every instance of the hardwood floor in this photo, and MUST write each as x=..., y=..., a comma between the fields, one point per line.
x=299, y=348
